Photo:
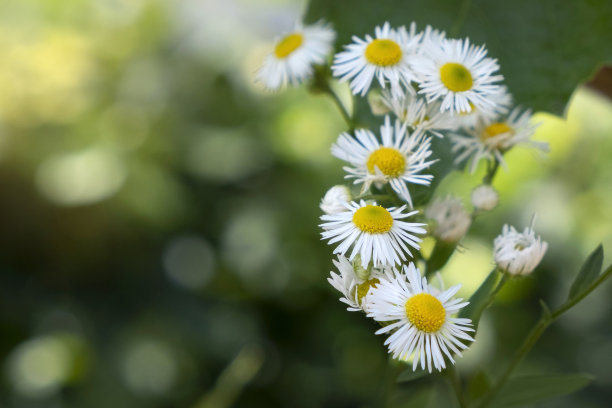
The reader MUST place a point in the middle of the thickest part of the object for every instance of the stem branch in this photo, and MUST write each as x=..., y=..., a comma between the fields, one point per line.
x=536, y=332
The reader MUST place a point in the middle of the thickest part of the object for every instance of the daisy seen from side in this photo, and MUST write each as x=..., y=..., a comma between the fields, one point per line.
x=418, y=114
x=421, y=323
x=375, y=233
x=295, y=55
x=398, y=160
x=502, y=104
x=490, y=139
x=518, y=253
x=355, y=282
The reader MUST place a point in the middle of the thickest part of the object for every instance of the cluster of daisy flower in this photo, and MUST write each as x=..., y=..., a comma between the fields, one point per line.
x=427, y=86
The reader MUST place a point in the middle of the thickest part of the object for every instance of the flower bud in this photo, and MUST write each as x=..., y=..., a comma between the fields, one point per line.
x=485, y=198
x=451, y=219
x=518, y=253
x=335, y=199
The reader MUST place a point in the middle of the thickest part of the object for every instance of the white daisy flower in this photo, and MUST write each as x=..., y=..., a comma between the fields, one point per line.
x=295, y=54
x=423, y=326
x=502, y=101
x=451, y=221
x=484, y=198
x=355, y=282
x=335, y=199
x=418, y=114
x=518, y=253
x=397, y=161
x=491, y=139
x=457, y=74
x=385, y=57
x=376, y=233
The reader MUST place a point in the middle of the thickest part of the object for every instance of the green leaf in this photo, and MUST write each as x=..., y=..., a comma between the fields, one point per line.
x=421, y=195
x=439, y=257
x=545, y=48
x=409, y=375
x=545, y=309
x=478, y=386
x=521, y=391
x=589, y=271
x=478, y=301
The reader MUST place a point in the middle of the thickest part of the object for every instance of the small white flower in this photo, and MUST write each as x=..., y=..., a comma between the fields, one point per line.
x=418, y=114
x=423, y=326
x=451, y=219
x=375, y=233
x=354, y=286
x=295, y=54
x=385, y=57
x=491, y=139
x=485, y=198
x=518, y=253
x=457, y=74
x=502, y=102
x=336, y=199
x=397, y=161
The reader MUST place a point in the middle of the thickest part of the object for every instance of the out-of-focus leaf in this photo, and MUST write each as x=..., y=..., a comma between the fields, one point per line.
x=409, y=375
x=442, y=152
x=589, y=271
x=440, y=256
x=479, y=384
x=479, y=299
x=545, y=48
x=521, y=391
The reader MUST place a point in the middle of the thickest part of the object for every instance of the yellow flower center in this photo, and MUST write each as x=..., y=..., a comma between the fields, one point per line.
x=495, y=129
x=288, y=44
x=425, y=312
x=456, y=77
x=364, y=288
x=383, y=52
x=388, y=160
x=373, y=219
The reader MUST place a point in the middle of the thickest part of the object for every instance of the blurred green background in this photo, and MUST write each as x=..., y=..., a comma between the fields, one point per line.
x=159, y=211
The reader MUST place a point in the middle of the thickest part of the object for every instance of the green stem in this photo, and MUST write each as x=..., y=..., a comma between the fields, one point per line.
x=500, y=285
x=453, y=378
x=491, y=171
x=345, y=115
x=535, y=334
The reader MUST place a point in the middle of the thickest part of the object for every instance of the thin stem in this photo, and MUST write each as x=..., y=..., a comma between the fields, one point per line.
x=535, y=334
x=500, y=285
x=345, y=115
x=491, y=171
x=528, y=343
x=455, y=381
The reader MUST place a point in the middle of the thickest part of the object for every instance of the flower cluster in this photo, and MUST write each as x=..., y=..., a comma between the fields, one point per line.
x=429, y=88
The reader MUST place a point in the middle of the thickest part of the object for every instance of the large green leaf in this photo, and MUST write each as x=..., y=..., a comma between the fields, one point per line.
x=589, y=271
x=545, y=48
x=521, y=391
